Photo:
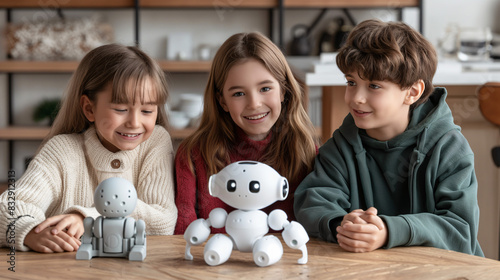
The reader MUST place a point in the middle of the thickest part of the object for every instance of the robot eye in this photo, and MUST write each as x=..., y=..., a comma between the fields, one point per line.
x=285, y=188
x=231, y=186
x=254, y=186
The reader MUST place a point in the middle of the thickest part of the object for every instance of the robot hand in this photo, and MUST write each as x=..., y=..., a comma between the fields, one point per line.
x=294, y=234
x=86, y=250
x=296, y=237
x=88, y=225
x=198, y=231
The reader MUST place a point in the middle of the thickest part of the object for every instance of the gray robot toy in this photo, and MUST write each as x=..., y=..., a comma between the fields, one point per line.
x=113, y=234
x=247, y=186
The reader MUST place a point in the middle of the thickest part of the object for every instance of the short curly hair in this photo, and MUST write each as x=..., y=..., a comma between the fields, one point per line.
x=389, y=51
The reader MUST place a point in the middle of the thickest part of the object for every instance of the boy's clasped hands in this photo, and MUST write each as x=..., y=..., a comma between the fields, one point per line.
x=362, y=231
x=56, y=234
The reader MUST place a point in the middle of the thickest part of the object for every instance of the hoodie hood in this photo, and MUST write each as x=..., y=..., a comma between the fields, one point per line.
x=395, y=163
x=428, y=123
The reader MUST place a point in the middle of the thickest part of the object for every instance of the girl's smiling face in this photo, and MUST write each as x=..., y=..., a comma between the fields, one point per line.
x=122, y=126
x=252, y=96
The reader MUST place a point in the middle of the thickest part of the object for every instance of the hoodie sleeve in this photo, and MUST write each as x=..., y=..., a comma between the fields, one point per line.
x=452, y=219
x=322, y=197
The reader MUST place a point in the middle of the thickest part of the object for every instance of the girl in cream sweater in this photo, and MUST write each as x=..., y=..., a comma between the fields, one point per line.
x=112, y=123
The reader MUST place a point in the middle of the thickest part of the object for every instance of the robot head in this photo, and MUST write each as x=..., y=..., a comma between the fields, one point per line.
x=115, y=197
x=248, y=185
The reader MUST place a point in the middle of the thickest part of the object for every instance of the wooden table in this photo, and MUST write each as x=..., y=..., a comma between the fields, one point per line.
x=165, y=260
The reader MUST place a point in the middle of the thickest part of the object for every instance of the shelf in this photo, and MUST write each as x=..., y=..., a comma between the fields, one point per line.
x=185, y=65
x=28, y=66
x=3, y=187
x=390, y=4
x=143, y=4
x=214, y=4
x=180, y=134
x=66, y=4
x=31, y=66
x=211, y=4
x=39, y=133
x=23, y=133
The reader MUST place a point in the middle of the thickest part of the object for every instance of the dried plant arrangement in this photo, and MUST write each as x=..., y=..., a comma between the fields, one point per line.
x=56, y=39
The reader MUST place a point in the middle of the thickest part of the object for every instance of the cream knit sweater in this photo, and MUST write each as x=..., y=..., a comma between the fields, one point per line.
x=62, y=178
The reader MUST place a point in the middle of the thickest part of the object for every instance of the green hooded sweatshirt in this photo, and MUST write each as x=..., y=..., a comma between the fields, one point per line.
x=422, y=182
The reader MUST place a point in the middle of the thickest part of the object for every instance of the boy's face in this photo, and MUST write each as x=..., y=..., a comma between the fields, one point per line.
x=379, y=107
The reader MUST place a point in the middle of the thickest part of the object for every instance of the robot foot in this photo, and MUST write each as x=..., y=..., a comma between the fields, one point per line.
x=138, y=253
x=267, y=251
x=84, y=252
x=218, y=249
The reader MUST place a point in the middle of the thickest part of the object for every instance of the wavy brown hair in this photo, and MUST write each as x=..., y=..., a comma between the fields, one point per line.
x=389, y=51
x=127, y=68
x=293, y=143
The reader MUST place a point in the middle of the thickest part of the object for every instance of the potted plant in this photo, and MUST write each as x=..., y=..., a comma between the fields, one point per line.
x=48, y=108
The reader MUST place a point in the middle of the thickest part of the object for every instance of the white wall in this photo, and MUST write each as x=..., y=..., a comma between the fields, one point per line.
x=438, y=14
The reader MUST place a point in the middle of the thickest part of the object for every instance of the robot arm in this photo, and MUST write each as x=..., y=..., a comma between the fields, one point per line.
x=98, y=227
x=140, y=232
x=129, y=228
x=88, y=247
x=88, y=224
x=198, y=231
x=294, y=234
x=135, y=229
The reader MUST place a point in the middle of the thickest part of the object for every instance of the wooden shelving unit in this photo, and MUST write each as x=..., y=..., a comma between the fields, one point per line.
x=23, y=133
x=208, y=4
x=11, y=67
x=39, y=133
x=212, y=4
x=350, y=3
x=26, y=66
x=180, y=66
x=3, y=187
x=142, y=3
x=16, y=4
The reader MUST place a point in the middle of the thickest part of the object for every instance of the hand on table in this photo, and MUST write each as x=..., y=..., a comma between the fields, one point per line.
x=56, y=234
x=362, y=231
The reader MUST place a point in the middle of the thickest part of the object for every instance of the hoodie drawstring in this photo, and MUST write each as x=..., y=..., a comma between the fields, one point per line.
x=415, y=161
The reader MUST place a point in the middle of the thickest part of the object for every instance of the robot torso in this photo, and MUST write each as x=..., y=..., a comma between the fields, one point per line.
x=245, y=227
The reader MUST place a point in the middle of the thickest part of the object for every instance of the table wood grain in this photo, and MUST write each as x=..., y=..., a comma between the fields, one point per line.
x=165, y=260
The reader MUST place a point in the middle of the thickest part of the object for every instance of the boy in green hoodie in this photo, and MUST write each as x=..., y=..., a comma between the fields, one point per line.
x=398, y=172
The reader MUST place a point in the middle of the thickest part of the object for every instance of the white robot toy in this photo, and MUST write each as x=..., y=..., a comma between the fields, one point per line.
x=247, y=186
x=113, y=234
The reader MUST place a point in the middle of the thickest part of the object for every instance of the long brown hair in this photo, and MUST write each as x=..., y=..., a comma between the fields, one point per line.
x=127, y=68
x=293, y=143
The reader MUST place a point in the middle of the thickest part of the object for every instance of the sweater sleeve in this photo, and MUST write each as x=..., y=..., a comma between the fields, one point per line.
x=185, y=196
x=155, y=191
x=452, y=222
x=36, y=194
